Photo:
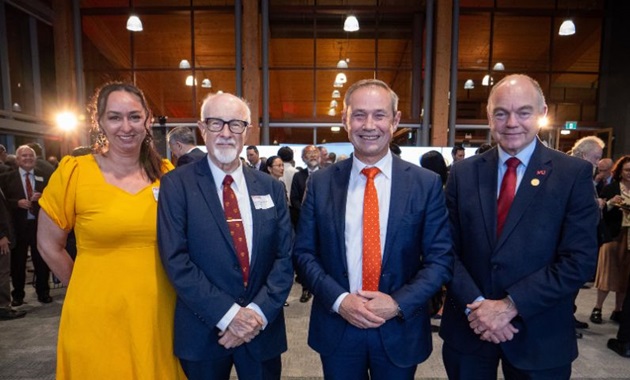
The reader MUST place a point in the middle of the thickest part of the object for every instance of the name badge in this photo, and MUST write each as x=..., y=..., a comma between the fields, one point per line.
x=262, y=202
x=39, y=179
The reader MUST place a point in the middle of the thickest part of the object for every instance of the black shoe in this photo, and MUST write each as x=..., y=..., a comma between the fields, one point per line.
x=45, y=299
x=578, y=335
x=8, y=314
x=306, y=295
x=596, y=316
x=616, y=316
x=580, y=325
x=17, y=302
x=622, y=348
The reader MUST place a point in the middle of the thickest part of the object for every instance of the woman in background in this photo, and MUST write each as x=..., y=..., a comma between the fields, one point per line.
x=117, y=318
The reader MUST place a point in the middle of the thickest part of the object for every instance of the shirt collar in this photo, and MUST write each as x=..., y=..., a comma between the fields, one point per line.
x=524, y=155
x=218, y=175
x=384, y=165
x=22, y=171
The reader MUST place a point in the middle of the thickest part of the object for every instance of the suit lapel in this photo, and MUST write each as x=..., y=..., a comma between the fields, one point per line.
x=400, y=193
x=254, y=187
x=208, y=190
x=339, y=191
x=487, y=168
x=536, y=174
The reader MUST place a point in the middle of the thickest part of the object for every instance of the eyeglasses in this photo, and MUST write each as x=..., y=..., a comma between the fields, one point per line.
x=277, y=166
x=214, y=124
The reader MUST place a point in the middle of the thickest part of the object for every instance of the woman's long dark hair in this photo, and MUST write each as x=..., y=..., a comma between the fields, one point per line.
x=150, y=159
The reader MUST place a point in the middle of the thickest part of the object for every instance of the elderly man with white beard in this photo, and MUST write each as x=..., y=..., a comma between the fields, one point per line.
x=225, y=241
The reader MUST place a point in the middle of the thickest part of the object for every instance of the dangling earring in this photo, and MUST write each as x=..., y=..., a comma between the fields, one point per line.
x=101, y=139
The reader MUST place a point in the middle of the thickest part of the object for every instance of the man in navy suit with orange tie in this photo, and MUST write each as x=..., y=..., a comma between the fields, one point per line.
x=224, y=236
x=373, y=245
x=524, y=223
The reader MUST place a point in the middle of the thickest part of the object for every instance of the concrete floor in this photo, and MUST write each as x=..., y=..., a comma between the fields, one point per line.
x=27, y=346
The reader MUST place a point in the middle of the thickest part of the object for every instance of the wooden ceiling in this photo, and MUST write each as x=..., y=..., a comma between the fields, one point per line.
x=306, y=42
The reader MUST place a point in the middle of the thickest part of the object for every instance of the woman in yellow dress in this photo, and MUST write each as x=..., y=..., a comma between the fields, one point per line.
x=117, y=317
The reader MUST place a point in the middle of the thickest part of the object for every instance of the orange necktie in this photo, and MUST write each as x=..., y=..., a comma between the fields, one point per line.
x=371, y=233
x=506, y=195
x=234, y=221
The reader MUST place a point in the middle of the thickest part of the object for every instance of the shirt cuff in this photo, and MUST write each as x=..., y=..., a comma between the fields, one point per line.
x=227, y=318
x=478, y=299
x=337, y=303
x=258, y=310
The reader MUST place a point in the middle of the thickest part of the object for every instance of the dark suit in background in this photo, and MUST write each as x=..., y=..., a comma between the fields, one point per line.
x=192, y=156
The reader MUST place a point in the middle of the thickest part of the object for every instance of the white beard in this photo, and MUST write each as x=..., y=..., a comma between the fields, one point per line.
x=226, y=155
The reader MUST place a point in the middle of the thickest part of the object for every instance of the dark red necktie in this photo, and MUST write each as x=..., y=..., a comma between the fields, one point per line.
x=371, y=233
x=235, y=223
x=29, y=185
x=506, y=195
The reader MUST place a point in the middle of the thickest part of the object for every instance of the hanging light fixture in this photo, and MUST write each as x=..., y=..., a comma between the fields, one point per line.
x=184, y=64
x=567, y=28
x=337, y=84
x=333, y=104
x=332, y=112
x=342, y=64
x=336, y=94
x=190, y=81
x=469, y=84
x=206, y=83
x=487, y=80
x=351, y=24
x=341, y=78
x=335, y=129
x=498, y=66
x=134, y=24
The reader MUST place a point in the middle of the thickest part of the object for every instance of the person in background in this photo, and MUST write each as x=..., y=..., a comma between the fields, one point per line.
x=275, y=167
x=395, y=149
x=524, y=221
x=483, y=148
x=323, y=157
x=53, y=161
x=434, y=161
x=286, y=155
x=225, y=240
x=374, y=245
x=117, y=317
x=181, y=141
x=253, y=158
x=7, y=239
x=41, y=163
x=603, y=174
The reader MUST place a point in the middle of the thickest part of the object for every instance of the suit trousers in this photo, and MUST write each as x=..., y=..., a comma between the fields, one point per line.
x=361, y=352
x=474, y=366
x=624, y=323
x=27, y=237
x=5, y=281
x=246, y=367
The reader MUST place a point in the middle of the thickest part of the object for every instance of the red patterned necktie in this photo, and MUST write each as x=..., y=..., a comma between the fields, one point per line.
x=506, y=195
x=235, y=223
x=29, y=185
x=371, y=233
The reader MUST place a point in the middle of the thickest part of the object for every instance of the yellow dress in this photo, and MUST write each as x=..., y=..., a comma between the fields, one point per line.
x=117, y=317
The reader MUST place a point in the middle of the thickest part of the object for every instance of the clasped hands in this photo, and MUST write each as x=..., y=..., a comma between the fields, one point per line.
x=245, y=326
x=367, y=309
x=491, y=319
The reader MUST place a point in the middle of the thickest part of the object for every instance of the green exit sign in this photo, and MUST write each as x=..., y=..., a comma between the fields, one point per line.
x=570, y=125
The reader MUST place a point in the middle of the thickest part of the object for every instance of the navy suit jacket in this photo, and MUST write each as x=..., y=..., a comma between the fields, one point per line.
x=547, y=250
x=192, y=156
x=13, y=189
x=199, y=257
x=417, y=258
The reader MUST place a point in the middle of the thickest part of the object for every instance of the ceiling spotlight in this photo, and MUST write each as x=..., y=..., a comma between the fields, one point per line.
x=134, y=24
x=341, y=78
x=184, y=64
x=351, y=24
x=336, y=94
x=498, y=67
x=332, y=112
x=335, y=129
x=206, y=83
x=190, y=81
x=469, y=84
x=342, y=64
x=333, y=104
x=567, y=28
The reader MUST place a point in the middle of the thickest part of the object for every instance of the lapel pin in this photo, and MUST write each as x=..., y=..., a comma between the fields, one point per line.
x=541, y=172
x=535, y=182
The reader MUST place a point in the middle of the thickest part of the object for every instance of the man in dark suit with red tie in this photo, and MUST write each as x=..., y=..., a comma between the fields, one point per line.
x=373, y=245
x=225, y=241
x=524, y=220
x=22, y=189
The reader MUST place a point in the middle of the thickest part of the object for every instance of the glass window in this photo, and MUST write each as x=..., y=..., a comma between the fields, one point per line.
x=167, y=93
x=581, y=51
x=474, y=42
x=155, y=46
x=45, y=43
x=291, y=94
x=210, y=28
x=106, y=42
x=20, y=61
x=521, y=43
